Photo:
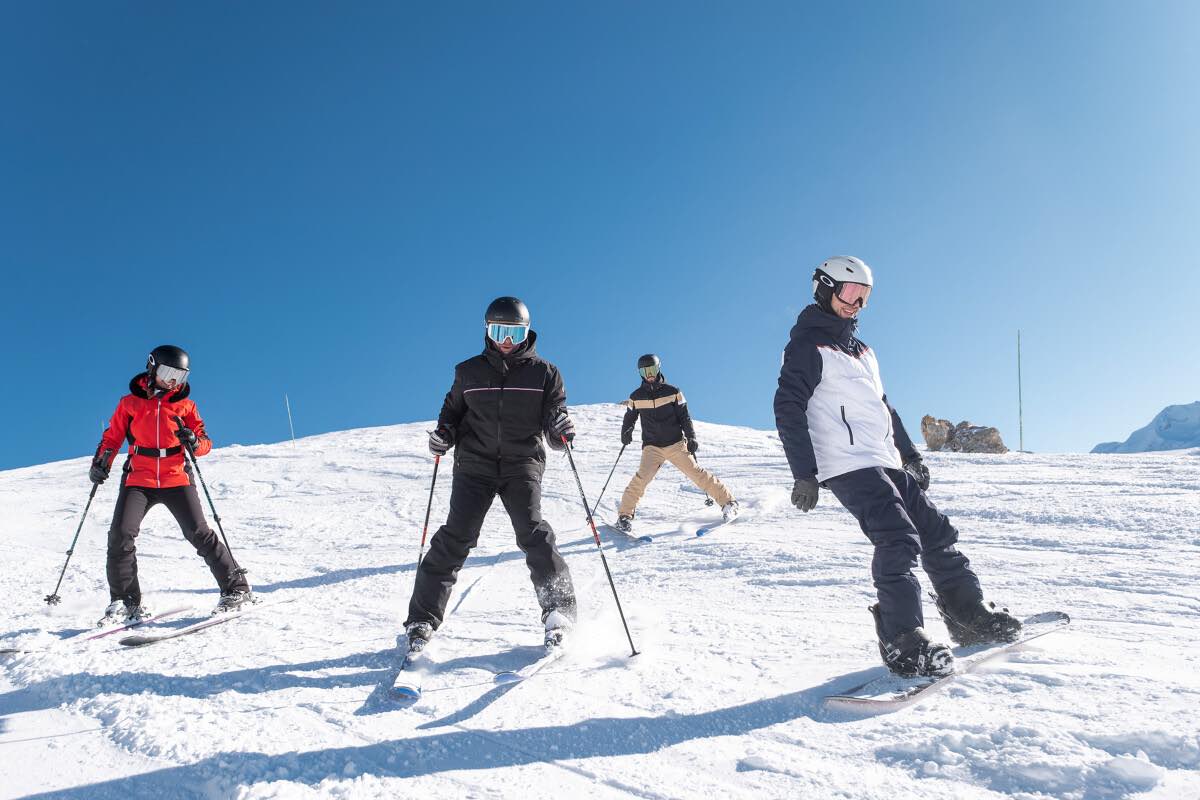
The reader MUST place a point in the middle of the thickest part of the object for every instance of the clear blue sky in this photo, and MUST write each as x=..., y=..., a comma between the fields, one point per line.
x=321, y=199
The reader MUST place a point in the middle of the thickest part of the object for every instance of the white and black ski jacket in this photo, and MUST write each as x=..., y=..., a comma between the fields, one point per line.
x=830, y=409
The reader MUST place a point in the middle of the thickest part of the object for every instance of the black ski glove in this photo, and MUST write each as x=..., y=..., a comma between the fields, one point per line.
x=187, y=437
x=916, y=467
x=561, y=426
x=440, y=441
x=99, y=471
x=693, y=446
x=804, y=494
x=627, y=436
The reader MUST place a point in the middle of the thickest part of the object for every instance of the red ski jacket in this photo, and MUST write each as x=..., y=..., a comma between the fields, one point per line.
x=156, y=458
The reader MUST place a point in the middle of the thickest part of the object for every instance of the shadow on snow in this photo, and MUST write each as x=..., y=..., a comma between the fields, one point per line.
x=465, y=749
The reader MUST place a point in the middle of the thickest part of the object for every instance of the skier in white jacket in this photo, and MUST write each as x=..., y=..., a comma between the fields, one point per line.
x=839, y=431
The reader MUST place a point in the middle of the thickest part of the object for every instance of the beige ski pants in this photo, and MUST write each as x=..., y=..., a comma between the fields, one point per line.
x=677, y=454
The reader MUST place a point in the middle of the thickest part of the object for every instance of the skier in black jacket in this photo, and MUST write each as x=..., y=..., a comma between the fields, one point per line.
x=501, y=404
x=667, y=435
x=839, y=432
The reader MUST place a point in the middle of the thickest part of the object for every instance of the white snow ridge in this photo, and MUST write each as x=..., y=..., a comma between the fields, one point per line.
x=743, y=633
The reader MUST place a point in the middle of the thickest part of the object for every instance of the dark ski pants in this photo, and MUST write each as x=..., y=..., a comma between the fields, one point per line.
x=184, y=504
x=900, y=521
x=474, y=488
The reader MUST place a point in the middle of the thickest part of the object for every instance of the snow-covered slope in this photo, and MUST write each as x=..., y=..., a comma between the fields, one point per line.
x=1173, y=428
x=743, y=633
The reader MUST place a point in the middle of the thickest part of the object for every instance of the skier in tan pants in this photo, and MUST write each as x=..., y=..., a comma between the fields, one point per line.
x=667, y=435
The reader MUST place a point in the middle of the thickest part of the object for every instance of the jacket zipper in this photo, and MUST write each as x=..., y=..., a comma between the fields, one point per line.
x=157, y=443
x=847, y=424
x=499, y=422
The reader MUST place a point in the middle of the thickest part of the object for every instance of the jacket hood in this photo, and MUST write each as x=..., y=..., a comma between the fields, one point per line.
x=813, y=317
x=526, y=351
x=139, y=386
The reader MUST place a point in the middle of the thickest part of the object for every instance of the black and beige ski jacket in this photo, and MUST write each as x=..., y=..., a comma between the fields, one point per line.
x=664, y=413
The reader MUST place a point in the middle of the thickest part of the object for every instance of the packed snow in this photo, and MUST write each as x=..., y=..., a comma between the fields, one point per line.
x=742, y=634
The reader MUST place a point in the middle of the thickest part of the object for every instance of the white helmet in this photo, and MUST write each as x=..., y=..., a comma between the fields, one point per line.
x=829, y=278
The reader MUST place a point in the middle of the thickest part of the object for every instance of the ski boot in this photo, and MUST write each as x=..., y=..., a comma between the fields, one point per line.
x=418, y=634
x=624, y=523
x=121, y=611
x=913, y=654
x=730, y=510
x=558, y=625
x=975, y=622
x=233, y=600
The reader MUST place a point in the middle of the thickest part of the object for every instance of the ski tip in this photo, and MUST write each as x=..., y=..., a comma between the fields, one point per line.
x=646, y=539
x=507, y=677
x=405, y=694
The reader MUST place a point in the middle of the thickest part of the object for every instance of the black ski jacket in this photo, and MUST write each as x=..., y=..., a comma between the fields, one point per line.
x=499, y=407
x=664, y=413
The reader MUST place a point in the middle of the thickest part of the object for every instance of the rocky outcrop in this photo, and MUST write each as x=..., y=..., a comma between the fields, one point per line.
x=941, y=434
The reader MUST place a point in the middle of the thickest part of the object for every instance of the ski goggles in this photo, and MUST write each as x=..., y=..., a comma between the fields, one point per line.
x=851, y=293
x=170, y=376
x=650, y=372
x=498, y=332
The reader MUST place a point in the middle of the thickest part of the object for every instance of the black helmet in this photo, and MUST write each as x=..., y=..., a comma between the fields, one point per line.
x=649, y=360
x=649, y=367
x=508, y=310
x=167, y=355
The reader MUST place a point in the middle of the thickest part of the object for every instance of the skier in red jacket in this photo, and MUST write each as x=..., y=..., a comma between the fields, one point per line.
x=158, y=420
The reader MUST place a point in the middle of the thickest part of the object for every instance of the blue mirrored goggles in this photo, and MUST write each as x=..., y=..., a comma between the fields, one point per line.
x=498, y=332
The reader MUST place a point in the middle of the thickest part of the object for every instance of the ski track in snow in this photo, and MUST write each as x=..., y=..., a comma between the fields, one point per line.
x=742, y=632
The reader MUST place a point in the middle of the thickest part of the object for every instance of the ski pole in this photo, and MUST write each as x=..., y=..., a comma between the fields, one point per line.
x=610, y=474
x=53, y=598
x=436, y=460
x=708, y=501
x=599, y=547
x=240, y=570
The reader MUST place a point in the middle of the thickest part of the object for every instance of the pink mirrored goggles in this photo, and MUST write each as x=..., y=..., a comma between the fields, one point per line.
x=851, y=293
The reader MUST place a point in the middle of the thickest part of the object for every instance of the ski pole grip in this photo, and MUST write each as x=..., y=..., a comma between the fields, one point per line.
x=180, y=426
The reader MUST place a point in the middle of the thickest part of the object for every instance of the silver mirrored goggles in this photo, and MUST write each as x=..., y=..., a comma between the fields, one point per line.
x=170, y=376
x=499, y=331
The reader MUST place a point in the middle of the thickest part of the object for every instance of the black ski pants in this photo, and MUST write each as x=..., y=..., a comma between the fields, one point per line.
x=184, y=504
x=900, y=521
x=519, y=486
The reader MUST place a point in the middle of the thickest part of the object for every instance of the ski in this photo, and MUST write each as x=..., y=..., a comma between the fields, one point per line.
x=406, y=687
x=553, y=654
x=705, y=530
x=608, y=526
x=100, y=633
x=893, y=691
x=109, y=630
x=141, y=640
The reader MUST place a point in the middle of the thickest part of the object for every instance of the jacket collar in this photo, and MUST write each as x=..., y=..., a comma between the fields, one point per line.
x=840, y=330
x=139, y=386
x=524, y=353
x=659, y=381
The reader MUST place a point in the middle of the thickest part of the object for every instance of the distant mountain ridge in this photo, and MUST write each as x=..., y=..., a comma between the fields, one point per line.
x=1173, y=428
